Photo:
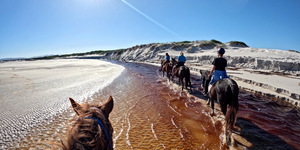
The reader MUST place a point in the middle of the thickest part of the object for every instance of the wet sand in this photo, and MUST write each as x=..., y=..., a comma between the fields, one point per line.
x=152, y=113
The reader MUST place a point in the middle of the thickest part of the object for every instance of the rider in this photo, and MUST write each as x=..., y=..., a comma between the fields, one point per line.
x=218, y=71
x=167, y=60
x=181, y=60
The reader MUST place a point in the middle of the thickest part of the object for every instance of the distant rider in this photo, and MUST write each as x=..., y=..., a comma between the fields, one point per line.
x=181, y=60
x=167, y=60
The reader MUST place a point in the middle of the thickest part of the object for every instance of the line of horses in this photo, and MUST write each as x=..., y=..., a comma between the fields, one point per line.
x=93, y=130
x=182, y=72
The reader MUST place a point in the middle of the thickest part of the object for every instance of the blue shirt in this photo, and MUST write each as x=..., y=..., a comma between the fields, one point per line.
x=181, y=58
x=168, y=58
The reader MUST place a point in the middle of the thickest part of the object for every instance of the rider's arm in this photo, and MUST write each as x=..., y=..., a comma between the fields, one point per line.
x=212, y=70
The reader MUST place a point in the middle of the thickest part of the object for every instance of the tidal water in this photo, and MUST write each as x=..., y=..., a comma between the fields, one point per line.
x=152, y=113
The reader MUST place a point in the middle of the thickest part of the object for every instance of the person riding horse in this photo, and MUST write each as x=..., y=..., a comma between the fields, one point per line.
x=218, y=70
x=167, y=60
x=181, y=62
x=225, y=91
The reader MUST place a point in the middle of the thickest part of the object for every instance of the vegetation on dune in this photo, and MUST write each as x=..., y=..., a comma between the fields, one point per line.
x=211, y=44
x=293, y=51
x=181, y=45
x=182, y=42
x=216, y=41
x=237, y=43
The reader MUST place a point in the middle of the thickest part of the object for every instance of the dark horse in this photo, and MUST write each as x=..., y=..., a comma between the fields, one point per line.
x=92, y=129
x=226, y=92
x=182, y=72
x=205, y=80
x=166, y=67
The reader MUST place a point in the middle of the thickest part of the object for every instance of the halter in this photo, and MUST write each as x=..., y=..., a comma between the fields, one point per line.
x=101, y=125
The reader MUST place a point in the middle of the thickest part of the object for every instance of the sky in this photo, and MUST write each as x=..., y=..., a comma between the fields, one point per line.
x=32, y=28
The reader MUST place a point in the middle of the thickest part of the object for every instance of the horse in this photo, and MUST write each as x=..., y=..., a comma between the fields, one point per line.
x=226, y=92
x=182, y=72
x=92, y=129
x=205, y=80
x=166, y=67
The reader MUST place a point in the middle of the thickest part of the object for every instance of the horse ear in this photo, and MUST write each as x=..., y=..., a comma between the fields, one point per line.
x=76, y=107
x=107, y=106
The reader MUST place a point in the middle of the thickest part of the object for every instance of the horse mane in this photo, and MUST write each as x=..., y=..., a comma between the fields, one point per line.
x=86, y=133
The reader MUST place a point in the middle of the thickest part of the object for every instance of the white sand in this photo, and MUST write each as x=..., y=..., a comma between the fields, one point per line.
x=32, y=91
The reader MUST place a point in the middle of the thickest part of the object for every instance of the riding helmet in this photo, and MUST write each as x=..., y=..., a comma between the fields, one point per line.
x=221, y=51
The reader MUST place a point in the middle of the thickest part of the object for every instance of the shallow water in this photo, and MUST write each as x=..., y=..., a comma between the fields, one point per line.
x=152, y=113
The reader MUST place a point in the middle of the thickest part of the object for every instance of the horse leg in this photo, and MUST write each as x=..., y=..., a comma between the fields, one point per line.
x=181, y=82
x=206, y=84
x=212, y=106
x=188, y=82
x=208, y=101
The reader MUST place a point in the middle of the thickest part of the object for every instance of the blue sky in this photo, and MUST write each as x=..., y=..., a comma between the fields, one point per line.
x=30, y=28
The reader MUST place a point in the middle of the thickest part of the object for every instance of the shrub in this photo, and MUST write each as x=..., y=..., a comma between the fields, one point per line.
x=293, y=51
x=207, y=45
x=237, y=43
x=216, y=41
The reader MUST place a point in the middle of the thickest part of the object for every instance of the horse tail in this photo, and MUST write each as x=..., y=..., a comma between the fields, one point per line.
x=233, y=105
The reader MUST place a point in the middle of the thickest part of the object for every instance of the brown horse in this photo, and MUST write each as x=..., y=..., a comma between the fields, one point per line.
x=182, y=72
x=166, y=67
x=92, y=129
x=226, y=91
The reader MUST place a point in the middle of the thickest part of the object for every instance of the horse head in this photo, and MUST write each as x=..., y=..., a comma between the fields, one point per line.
x=204, y=73
x=173, y=61
x=92, y=129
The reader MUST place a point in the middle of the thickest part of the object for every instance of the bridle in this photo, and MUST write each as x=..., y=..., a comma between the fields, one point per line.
x=101, y=124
